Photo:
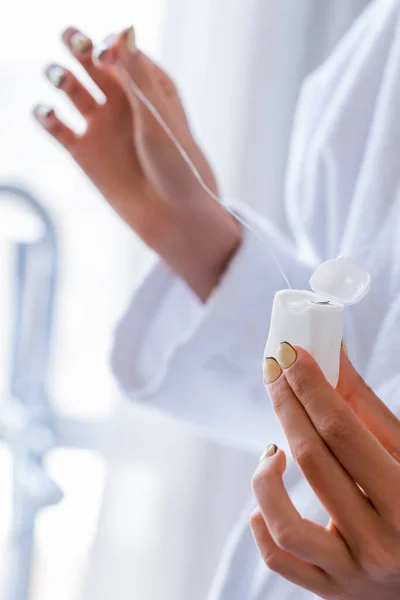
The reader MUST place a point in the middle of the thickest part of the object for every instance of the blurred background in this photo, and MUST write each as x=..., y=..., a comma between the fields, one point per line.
x=101, y=498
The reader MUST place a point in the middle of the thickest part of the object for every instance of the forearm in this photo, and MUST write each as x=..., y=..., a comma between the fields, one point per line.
x=198, y=246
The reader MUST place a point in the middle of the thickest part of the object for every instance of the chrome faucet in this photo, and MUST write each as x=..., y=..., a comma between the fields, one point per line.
x=26, y=423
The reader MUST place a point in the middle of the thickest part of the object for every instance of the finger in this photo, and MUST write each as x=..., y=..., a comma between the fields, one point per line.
x=334, y=487
x=136, y=74
x=47, y=118
x=67, y=82
x=121, y=51
x=170, y=91
x=352, y=444
x=305, y=540
x=370, y=409
x=285, y=564
x=81, y=46
x=165, y=80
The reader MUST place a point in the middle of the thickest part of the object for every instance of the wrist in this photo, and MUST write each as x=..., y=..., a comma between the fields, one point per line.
x=198, y=245
x=210, y=257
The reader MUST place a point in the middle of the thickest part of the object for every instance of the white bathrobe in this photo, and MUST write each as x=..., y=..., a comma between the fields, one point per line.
x=343, y=197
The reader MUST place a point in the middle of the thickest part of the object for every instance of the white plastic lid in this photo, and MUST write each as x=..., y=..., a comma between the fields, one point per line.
x=341, y=280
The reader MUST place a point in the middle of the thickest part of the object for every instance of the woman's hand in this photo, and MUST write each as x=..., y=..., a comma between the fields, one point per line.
x=135, y=165
x=351, y=465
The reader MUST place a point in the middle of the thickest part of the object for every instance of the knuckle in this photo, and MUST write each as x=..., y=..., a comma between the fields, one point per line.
x=334, y=428
x=307, y=456
x=286, y=537
x=273, y=560
x=271, y=555
x=381, y=564
x=307, y=386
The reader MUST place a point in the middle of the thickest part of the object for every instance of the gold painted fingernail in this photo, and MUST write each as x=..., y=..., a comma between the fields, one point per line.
x=345, y=350
x=272, y=370
x=130, y=39
x=43, y=111
x=268, y=452
x=286, y=355
x=80, y=43
x=56, y=75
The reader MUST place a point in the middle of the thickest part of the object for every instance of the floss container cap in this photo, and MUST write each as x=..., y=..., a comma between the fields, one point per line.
x=341, y=280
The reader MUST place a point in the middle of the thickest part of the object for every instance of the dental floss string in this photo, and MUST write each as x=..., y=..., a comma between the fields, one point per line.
x=132, y=85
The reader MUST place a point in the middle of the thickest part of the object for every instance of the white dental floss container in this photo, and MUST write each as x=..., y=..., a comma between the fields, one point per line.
x=314, y=320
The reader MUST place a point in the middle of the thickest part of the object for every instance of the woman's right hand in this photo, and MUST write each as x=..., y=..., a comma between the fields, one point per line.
x=136, y=166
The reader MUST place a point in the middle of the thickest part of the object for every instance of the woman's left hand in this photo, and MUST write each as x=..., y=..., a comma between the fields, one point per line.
x=347, y=444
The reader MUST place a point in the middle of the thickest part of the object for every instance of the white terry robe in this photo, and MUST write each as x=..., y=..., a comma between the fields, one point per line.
x=343, y=197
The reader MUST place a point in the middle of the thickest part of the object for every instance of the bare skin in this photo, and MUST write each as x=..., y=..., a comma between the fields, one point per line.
x=346, y=442
x=135, y=165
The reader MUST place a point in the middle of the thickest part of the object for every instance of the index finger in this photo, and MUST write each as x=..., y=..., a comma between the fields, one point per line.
x=359, y=452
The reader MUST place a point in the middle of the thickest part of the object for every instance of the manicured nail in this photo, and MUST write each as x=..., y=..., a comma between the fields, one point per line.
x=43, y=111
x=56, y=75
x=130, y=39
x=272, y=370
x=100, y=50
x=286, y=355
x=345, y=350
x=268, y=452
x=80, y=43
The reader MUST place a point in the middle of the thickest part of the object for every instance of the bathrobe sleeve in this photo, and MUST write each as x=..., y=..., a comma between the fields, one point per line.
x=202, y=362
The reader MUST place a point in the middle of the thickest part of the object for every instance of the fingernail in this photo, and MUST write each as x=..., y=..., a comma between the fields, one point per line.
x=286, y=355
x=55, y=74
x=345, y=350
x=43, y=111
x=130, y=39
x=272, y=370
x=100, y=50
x=268, y=452
x=80, y=43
